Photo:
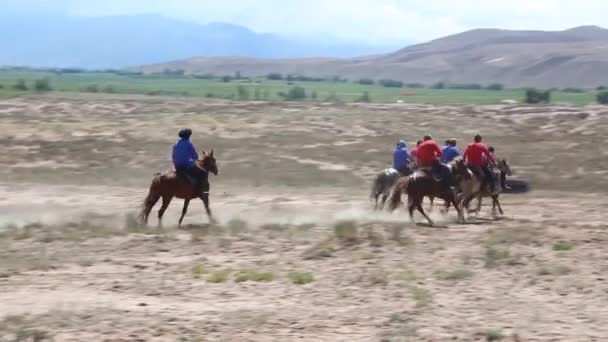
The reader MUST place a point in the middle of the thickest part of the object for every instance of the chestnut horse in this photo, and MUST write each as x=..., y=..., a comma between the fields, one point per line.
x=169, y=184
x=422, y=183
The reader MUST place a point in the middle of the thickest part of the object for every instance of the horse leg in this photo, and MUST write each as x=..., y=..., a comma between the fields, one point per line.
x=161, y=211
x=479, y=198
x=419, y=207
x=184, y=211
x=497, y=203
x=411, y=206
x=383, y=201
x=205, y=198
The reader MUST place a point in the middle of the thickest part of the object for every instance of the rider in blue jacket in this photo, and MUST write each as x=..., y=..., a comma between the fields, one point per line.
x=402, y=158
x=184, y=158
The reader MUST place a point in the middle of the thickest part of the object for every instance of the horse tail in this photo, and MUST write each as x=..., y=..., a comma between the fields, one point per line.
x=151, y=199
x=398, y=189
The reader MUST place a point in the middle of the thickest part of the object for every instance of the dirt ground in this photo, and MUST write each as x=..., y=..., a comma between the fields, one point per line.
x=298, y=254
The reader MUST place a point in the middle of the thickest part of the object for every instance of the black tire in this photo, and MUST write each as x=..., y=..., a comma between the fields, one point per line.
x=518, y=186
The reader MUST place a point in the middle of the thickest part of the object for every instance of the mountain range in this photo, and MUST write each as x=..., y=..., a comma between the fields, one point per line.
x=41, y=40
x=576, y=57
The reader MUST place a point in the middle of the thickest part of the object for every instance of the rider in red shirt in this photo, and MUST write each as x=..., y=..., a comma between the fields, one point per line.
x=429, y=154
x=478, y=155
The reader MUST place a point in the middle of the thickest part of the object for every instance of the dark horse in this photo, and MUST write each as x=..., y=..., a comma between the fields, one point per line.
x=383, y=183
x=422, y=183
x=169, y=184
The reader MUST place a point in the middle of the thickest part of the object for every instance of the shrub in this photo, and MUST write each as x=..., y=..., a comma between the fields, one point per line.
x=438, y=85
x=601, y=88
x=300, y=278
x=314, y=95
x=242, y=92
x=465, y=86
x=364, y=97
x=274, y=76
x=109, y=89
x=20, y=85
x=495, y=86
x=226, y=79
x=602, y=97
x=294, y=94
x=414, y=85
x=43, y=84
x=391, y=83
x=537, y=96
x=366, y=81
x=92, y=88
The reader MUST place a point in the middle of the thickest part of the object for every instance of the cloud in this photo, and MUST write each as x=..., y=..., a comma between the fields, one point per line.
x=357, y=20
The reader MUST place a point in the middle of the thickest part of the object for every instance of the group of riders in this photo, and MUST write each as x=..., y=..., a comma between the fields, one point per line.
x=428, y=155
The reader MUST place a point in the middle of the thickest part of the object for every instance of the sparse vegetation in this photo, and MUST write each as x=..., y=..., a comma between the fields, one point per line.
x=323, y=249
x=366, y=81
x=391, y=83
x=42, y=84
x=198, y=270
x=364, y=97
x=493, y=335
x=534, y=96
x=423, y=297
x=20, y=85
x=251, y=275
x=459, y=274
x=347, y=232
x=563, y=246
x=602, y=97
x=557, y=270
x=219, y=276
x=493, y=256
x=407, y=275
x=300, y=278
x=495, y=86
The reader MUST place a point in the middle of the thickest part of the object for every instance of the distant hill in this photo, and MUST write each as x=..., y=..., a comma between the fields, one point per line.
x=577, y=57
x=122, y=41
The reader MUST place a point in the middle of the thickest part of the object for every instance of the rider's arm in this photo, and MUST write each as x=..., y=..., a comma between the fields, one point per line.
x=488, y=154
x=193, y=151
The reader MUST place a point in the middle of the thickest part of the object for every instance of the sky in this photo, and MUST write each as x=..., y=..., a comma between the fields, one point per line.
x=364, y=21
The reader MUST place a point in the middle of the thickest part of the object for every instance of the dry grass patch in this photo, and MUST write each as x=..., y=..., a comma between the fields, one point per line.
x=251, y=275
x=421, y=296
x=347, y=232
x=322, y=249
x=458, y=274
x=407, y=275
x=563, y=246
x=556, y=270
x=219, y=276
x=198, y=270
x=494, y=256
x=492, y=335
x=515, y=235
x=300, y=278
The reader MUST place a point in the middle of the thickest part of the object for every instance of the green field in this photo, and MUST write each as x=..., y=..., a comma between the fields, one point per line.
x=263, y=89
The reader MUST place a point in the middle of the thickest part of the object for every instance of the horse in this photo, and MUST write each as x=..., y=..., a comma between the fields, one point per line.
x=383, y=183
x=170, y=184
x=473, y=188
x=503, y=168
x=421, y=183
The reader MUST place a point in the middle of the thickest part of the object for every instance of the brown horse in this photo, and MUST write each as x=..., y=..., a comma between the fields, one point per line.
x=473, y=188
x=422, y=184
x=472, y=184
x=169, y=184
